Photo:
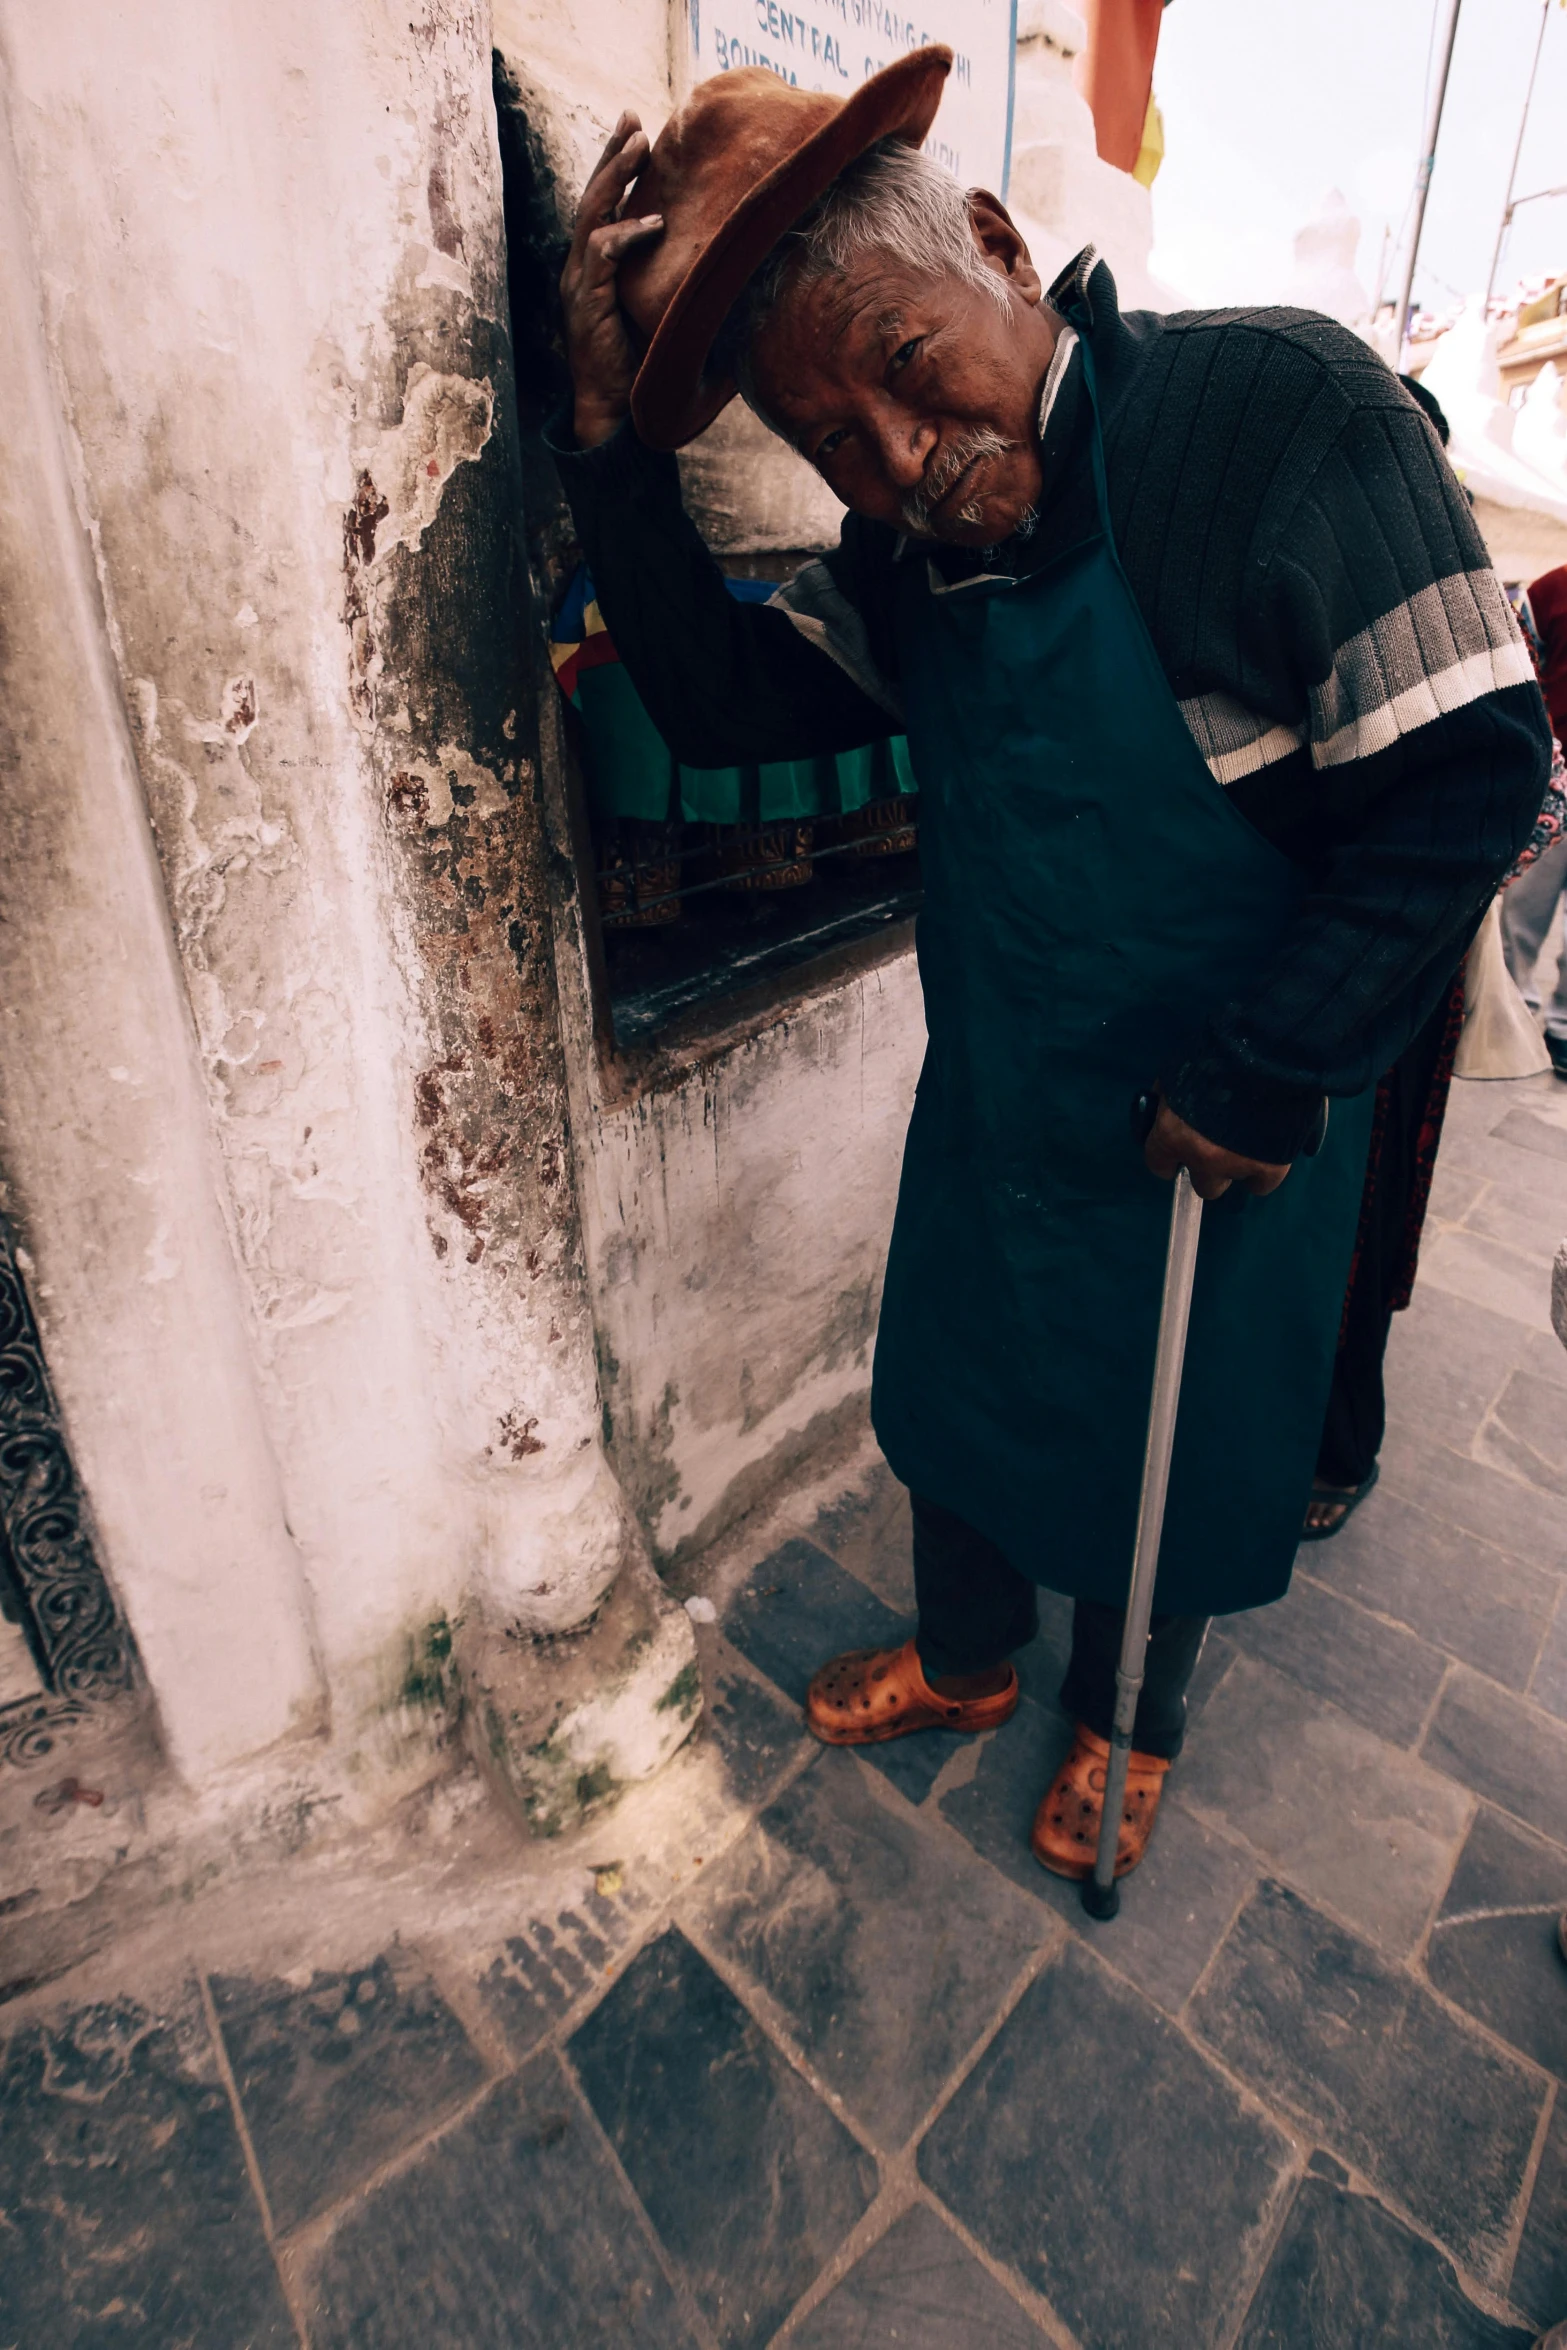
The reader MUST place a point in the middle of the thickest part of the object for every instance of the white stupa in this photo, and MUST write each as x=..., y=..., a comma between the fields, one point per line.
x=1540, y=426
x=1063, y=195
x=1323, y=277
x=1502, y=455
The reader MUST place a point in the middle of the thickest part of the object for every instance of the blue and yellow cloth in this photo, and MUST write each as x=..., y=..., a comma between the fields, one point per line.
x=631, y=770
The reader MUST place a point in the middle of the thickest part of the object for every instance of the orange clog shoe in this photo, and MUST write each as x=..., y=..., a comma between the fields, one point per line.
x=876, y=1693
x=1066, y=1825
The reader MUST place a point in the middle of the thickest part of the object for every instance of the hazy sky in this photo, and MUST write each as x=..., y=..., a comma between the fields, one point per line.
x=1269, y=103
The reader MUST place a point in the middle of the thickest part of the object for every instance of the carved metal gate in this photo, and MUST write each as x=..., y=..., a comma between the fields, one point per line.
x=51, y=1585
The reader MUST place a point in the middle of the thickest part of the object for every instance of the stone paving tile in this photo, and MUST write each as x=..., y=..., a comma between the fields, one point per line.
x=1507, y=1212
x=128, y=2217
x=1525, y=1128
x=1527, y=1431
x=1545, y=1357
x=1513, y=1756
x=1548, y=1687
x=885, y=1943
x=336, y=2077
x=751, y=2182
x=1095, y=2152
x=1429, y=2110
x=1381, y=1675
x=1493, y=1948
x=993, y=1810
x=1447, y=1361
x=510, y=2229
x=913, y=1765
x=1174, y=1910
x=538, y=1975
x=1218, y=1654
x=869, y=1531
x=1487, y=1273
x=918, y=2288
x=1479, y=1497
x=1356, y=1823
x=1346, y=2274
x=755, y=1732
x=1526, y=1176
x=1454, y=1192
x=797, y=1608
x=1453, y=1588
x=1539, y=2284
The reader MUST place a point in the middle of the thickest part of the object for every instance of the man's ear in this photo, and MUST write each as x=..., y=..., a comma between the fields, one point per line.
x=999, y=239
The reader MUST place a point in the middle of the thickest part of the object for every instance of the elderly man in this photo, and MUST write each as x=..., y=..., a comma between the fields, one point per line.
x=1224, y=733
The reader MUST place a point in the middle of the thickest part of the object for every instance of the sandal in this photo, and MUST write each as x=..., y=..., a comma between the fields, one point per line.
x=876, y=1693
x=1066, y=1825
x=1350, y=1496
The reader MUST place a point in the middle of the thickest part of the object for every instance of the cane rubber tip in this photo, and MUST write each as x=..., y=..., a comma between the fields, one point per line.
x=1101, y=1901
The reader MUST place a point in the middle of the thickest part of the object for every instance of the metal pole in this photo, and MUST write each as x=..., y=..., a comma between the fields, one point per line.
x=1512, y=176
x=1423, y=176
x=1100, y=1896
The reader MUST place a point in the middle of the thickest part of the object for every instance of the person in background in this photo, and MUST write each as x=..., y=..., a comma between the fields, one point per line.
x=1535, y=905
x=1406, y=1131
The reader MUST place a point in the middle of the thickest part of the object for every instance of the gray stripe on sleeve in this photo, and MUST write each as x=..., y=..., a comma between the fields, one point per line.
x=1451, y=643
x=1236, y=741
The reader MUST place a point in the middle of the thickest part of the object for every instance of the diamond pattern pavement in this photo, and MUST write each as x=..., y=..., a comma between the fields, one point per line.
x=870, y=2077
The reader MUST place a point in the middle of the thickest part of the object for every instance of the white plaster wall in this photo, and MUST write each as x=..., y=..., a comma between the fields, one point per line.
x=579, y=66
x=247, y=222
x=738, y=1224
x=109, y=1168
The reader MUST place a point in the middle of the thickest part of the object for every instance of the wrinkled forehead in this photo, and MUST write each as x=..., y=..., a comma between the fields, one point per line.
x=825, y=334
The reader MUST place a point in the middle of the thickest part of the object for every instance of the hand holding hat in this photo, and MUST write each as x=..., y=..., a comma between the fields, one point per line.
x=667, y=236
x=598, y=346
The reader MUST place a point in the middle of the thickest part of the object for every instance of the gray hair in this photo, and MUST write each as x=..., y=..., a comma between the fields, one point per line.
x=892, y=199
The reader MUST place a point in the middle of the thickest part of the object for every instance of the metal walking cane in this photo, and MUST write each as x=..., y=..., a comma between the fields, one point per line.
x=1101, y=1894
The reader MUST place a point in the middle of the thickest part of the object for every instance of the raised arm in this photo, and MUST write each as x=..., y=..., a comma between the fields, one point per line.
x=723, y=682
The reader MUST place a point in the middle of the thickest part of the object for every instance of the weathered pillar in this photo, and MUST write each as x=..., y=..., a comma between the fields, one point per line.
x=105, y=1141
x=278, y=312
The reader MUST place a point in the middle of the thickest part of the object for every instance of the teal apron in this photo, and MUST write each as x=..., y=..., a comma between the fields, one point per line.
x=1091, y=898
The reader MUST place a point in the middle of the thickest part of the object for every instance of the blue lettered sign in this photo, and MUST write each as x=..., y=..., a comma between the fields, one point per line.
x=835, y=45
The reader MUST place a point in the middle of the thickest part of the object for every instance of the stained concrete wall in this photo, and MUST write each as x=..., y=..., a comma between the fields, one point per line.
x=268, y=263
x=104, y=1139
x=739, y=1221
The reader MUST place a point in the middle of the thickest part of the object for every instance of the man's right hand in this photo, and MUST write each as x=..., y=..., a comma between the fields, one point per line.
x=598, y=346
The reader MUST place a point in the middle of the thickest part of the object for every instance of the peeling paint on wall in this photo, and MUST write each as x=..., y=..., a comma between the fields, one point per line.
x=446, y=421
x=286, y=375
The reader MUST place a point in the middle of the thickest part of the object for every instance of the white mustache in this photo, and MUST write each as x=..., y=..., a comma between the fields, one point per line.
x=953, y=461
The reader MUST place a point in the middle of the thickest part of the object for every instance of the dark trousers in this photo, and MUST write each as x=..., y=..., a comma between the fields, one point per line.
x=1357, y=1411
x=1409, y=1124
x=975, y=1609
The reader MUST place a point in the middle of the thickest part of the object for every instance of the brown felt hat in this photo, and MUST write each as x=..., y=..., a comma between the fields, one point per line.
x=742, y=161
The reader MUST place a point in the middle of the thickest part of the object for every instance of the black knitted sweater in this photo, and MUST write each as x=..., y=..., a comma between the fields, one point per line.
x=1322, y=604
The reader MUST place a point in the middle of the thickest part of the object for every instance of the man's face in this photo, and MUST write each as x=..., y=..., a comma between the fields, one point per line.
x=917, y=397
